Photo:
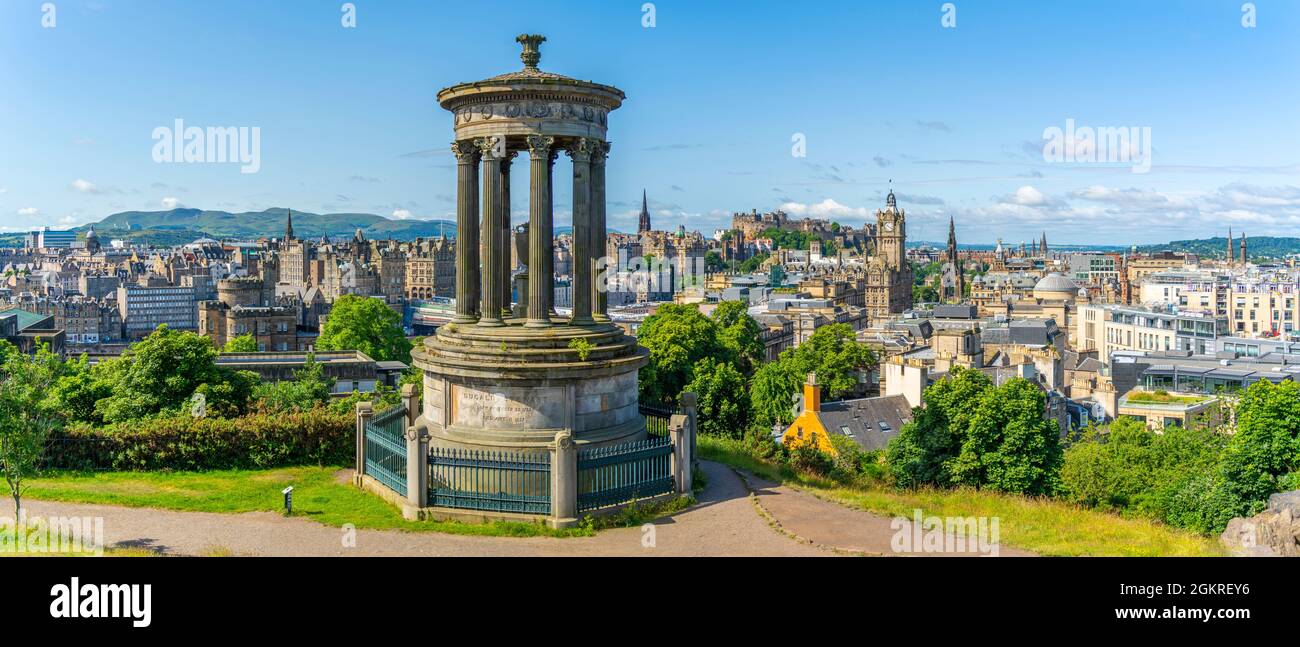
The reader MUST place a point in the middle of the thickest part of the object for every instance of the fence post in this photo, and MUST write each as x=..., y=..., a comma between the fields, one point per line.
x=564, y=481
x=410, y=403
x=690, y=408
x=417, y=468
x=364, y=412
x=680, y=459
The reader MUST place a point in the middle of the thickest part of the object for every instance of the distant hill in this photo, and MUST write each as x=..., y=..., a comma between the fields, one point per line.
x=1256, y=246
x=268, y=223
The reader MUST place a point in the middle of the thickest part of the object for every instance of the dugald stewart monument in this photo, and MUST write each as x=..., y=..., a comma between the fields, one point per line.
x=498, y=379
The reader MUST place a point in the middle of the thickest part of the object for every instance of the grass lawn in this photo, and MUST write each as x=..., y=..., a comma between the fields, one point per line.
x=317, y=495
x=1044, y=526
x=1162, y=397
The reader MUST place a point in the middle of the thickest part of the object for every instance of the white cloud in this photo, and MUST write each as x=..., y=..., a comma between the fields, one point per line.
x=1028, y=196
x=82, y=186
x=402, y=214
x=824, y=209
x=171, y=203
x=29, y=211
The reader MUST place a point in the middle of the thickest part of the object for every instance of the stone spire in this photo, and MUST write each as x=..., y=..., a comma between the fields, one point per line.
x=952, y=240
x=644, y=224
x=288, y=227
x=1243, y=249
x=1042, y=247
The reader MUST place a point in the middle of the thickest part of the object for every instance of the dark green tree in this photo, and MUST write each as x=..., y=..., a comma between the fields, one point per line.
x=740, y=334
x=368, y=325
x=723, y=402
x=677, y=336
x=241, y=344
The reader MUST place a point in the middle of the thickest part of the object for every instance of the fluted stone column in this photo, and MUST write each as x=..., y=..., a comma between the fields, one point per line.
x=550, y=233
x=506, y=243
x=491, y=151
x=540, y=226
x=467, y=277
x=599, y=293
x=581, y=152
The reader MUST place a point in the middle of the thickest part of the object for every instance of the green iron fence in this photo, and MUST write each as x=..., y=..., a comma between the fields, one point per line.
x=493, y=481
x=656, y=419
x=622, y=473
x=386, y=448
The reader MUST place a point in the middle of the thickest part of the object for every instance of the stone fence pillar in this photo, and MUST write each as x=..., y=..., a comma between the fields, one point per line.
x=564, y=481
x=364, y=412
x=690, y=408
x=679, y=431
x=410, y=403
x=417, y=466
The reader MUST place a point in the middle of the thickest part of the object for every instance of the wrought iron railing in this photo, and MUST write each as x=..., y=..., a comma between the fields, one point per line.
x=656, y=419
x=386, y=448
x=622, y=473
x=492, y=481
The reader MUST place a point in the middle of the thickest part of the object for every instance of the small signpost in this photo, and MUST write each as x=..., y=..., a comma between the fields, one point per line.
x=288, y=500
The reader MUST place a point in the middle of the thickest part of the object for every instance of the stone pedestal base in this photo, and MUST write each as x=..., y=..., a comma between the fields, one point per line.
x=513, y=388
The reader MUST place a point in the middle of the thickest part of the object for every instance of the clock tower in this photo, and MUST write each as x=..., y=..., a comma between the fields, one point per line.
x=891, y=234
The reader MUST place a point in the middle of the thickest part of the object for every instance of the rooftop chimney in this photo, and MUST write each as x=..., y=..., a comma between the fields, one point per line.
x=812, y=394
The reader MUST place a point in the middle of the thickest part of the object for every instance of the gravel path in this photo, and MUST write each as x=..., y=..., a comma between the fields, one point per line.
x=833, y=526
x=724, y=522
x=734, y=517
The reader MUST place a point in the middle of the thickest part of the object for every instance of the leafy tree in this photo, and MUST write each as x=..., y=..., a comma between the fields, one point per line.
x=1266, y=445
x=241, y=344
x=772, y=394
x=164, y=370
x=838, y=358
x=1125, y=467
x=927, y=446
x=79, y=388
x=26, y=416
x=751, y=264
x=308, y=389
x=973, y=433
x=832, y=352
x=1009, y=445
x=677, y=336
x=368, y=325
x=723, y=403
x=713, y=261
x=741, y=334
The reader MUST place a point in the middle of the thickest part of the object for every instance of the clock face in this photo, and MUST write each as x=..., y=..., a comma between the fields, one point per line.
x=889, y=226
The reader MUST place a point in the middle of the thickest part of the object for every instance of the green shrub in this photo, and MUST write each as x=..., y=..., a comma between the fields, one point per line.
x=809, y=458
x=256, y=441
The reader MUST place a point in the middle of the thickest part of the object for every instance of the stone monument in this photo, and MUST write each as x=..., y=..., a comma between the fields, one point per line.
x=499, y=378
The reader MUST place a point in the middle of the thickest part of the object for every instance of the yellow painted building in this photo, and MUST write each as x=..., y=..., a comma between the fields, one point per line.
x=869, y=422
x=808, y=428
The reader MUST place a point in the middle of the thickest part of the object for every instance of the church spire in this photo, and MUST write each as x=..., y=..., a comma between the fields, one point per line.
x=952, y=240
x=644, y=224
x=288, y=226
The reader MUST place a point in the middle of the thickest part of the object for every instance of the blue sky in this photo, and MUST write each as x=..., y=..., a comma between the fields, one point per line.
x=716, y=91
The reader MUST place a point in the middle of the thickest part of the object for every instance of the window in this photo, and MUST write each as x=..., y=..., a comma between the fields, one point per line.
x=884, y=427
x=846, y=431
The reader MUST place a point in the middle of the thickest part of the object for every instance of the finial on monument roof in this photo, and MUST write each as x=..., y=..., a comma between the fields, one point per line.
x=532, y=53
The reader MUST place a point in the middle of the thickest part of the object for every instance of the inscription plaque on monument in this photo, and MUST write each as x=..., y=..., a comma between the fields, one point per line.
x=528, y=408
